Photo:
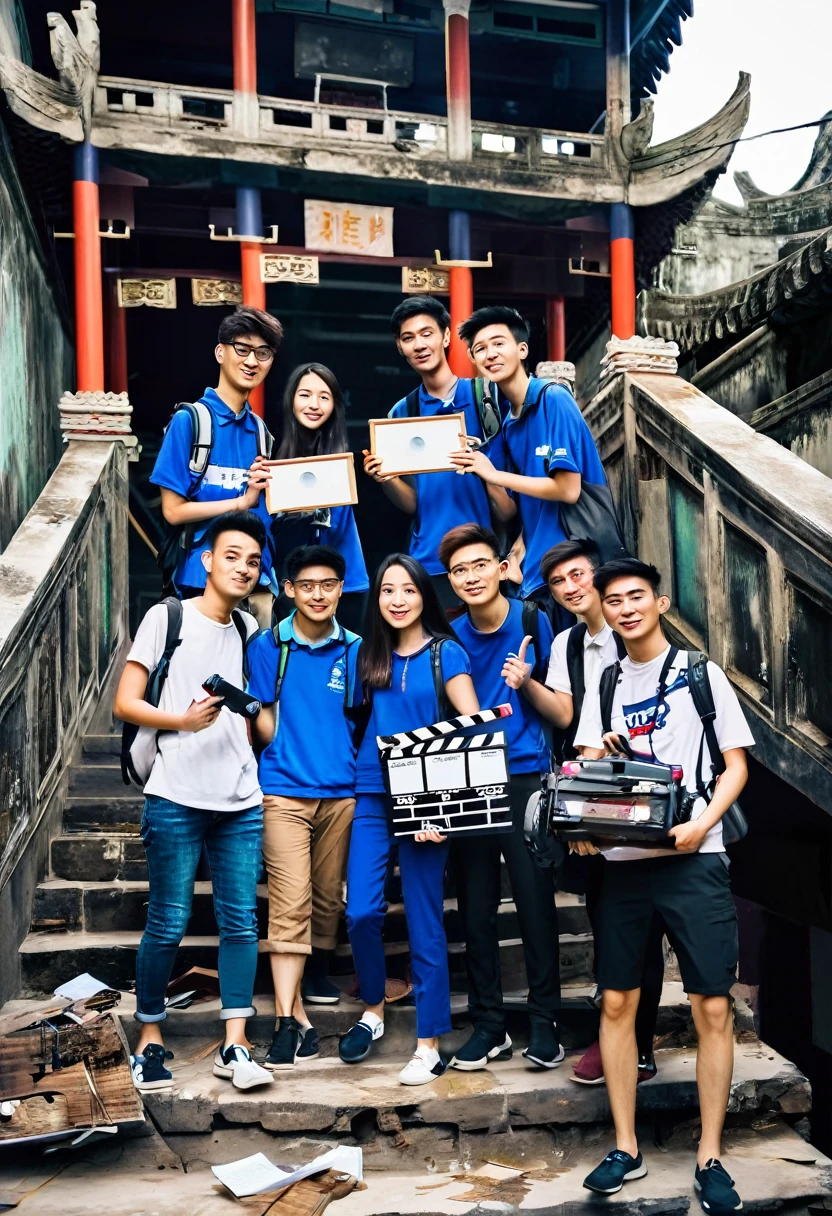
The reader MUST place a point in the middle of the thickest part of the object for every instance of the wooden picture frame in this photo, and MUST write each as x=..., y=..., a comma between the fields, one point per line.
x=309, y=482
x=417, y=445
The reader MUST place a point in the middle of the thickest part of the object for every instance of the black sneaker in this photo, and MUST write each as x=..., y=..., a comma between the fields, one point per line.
x=287, y=1039
x=149, y=1070
x=716, y=1189
x=356, y=1043
x=646, y=1068
x=483, y=1045
x=617, y=1168
x=316, y=988
x=310, y=1044
x=544, y=1047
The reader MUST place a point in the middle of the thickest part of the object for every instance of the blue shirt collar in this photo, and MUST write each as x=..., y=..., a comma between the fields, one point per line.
x=286, y=633
x=222, y=412
x=449, y=404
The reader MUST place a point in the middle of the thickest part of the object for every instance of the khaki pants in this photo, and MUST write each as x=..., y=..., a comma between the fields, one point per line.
x=305, y=846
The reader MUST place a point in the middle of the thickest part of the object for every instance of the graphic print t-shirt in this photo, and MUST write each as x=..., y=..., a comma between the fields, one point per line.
x=676, y=731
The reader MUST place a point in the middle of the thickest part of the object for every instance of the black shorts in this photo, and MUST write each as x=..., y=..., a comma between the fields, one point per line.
x=692, y=895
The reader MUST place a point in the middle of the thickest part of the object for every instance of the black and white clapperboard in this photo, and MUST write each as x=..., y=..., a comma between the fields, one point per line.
x=455, y=783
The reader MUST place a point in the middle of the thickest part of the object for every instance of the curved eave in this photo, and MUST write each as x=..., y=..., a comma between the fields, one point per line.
x=663, y=172
x=654, y=38
x=692, y=321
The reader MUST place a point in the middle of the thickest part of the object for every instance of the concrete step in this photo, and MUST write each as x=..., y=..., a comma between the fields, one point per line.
x=98, y=907
x=48, y=959
x=325, y=1095
x=98, y=857
x=98, y=779
x=101, y=745
x=110, y=814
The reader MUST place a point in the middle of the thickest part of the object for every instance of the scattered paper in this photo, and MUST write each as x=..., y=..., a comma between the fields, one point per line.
x=254, y=1175
x=81, y=987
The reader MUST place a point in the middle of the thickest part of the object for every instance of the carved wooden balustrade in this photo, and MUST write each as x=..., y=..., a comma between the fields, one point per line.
x=63, y=621
x=741, y=529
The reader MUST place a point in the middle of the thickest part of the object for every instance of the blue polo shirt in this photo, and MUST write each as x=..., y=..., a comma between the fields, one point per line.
x=312, y=754
x=233, y=453
x=444, y=500
x=527, y=751
x=405, y=708
x=549, y=434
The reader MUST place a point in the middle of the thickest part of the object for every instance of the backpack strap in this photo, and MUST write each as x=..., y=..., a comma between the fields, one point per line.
x=202, y=436
x=530, y=620
x=606, y=694
x=702, y=696
x=239, y=618
x=487, y=410
x=445, y=707
x=412, y=405
x=575, y=667
x=265, y=439
x=155, y=683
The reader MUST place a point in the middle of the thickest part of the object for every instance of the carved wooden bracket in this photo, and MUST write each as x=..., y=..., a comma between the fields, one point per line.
x=216, y=291
x=289, y=268
x=428, y=279
x=152, y=293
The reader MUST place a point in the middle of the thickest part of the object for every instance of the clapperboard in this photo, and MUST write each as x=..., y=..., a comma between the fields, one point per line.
x=438, y=778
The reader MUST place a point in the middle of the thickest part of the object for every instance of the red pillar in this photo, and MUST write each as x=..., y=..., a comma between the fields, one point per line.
x=458, y=83
x=462, y=305
x=89, y=316
x=555, y=329
x=245, y=46
x=117, y=318
x=622, y=271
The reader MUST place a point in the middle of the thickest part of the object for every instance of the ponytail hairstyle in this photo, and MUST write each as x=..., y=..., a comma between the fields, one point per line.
x=375, y=663
x=297, y=441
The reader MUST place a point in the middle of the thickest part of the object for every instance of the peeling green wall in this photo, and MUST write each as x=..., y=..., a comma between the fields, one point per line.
x=36, y=358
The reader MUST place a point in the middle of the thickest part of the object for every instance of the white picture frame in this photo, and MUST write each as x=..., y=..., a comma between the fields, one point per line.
x=417, y=445
x=307, y=483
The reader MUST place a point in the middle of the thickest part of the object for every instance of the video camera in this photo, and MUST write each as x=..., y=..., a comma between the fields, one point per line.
x=235, y=699
x=626, y=801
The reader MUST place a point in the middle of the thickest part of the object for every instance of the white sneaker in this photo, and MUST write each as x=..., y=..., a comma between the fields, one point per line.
x=236, y=1064
x=425, y=1065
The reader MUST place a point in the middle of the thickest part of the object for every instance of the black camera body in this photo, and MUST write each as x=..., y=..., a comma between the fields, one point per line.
x=626, y=801
x=234, y=698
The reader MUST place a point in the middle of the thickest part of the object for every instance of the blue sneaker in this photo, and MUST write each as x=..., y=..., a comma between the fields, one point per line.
x=617, y=1168
x=149, y=1070
x=716, y=1189
x=356, y=1043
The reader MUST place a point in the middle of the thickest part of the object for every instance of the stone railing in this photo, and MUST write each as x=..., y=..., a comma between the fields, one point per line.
x=287, y=123
x=63, y=622
x=741, y=529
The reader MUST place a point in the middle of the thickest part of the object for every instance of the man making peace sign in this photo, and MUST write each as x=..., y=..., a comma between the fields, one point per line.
x=508, y=644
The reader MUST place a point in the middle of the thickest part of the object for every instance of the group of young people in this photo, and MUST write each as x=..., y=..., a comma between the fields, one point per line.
x=443, y=630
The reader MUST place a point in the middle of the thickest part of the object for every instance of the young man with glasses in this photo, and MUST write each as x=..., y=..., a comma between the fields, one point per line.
x=493, y=635
x=303, y=671
x=234, y=478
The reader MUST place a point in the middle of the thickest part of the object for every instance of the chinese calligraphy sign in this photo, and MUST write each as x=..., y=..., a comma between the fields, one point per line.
x=348, y=228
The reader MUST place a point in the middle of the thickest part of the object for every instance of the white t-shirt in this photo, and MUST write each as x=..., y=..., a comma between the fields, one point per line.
x=600, y=651
x=677, y=733
x=212, y=769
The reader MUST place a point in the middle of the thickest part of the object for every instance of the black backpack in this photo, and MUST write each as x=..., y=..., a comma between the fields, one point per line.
x=575, y=668
x=734, y=822
x=158, y=676
x=179, y=537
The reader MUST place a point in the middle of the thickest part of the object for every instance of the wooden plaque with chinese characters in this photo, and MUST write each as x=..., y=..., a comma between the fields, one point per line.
x=417, y=445
x=310, y=482
x=348, y=228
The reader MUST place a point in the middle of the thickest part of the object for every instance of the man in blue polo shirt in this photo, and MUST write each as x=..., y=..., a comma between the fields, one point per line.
x=550, y=461
x=303, y=671
x=438, y=501
x=233, y=479
x=496, y=642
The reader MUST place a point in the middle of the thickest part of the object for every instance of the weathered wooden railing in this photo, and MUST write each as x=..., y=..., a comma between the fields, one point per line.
x=63, y=621
x=741, y=528
x=289, y=123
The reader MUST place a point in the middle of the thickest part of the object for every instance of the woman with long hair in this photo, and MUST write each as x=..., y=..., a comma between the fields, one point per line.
x=396, y=666
x=314, y=424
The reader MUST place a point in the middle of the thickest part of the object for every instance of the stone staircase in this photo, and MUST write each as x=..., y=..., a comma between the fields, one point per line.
x=425, y=1150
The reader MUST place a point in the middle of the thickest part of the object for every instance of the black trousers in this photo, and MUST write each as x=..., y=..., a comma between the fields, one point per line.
x=652, y=975
x=476, y=864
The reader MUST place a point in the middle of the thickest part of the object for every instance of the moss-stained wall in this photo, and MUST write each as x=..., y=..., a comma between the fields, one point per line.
x=36, y=359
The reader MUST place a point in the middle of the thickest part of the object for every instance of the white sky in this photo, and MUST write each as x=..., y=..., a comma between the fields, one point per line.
x=782, y=46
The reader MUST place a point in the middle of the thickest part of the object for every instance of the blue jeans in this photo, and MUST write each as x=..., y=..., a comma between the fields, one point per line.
x=422, y=869
x=173, y=837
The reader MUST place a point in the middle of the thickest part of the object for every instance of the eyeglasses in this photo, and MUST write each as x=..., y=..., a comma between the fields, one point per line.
x=479, y=567
x=261, y=353
x=327, y=585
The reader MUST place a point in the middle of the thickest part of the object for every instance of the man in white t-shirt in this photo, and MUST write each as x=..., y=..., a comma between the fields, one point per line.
x=689, y=889
x=579, y=656
x=202, y=790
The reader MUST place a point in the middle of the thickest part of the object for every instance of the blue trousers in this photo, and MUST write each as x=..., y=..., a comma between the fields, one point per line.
x=173, y=837
x=422, y=869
